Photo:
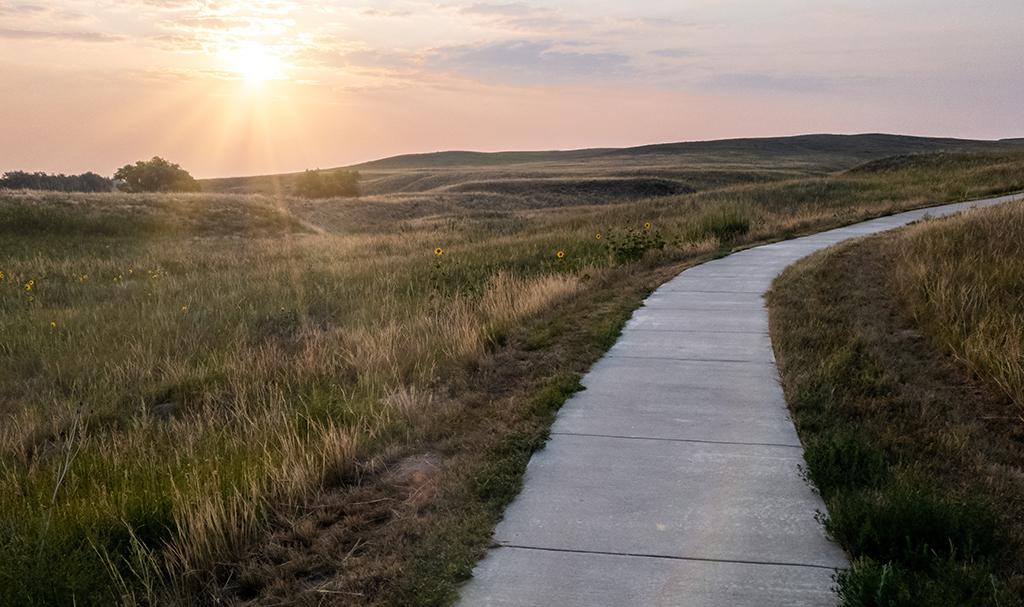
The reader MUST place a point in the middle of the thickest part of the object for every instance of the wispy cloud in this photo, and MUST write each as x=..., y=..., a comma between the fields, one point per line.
x=528, y=62
x=511, y=9
x=673, y=53
x=386, y=13
x=792, y=82
x=73, y=36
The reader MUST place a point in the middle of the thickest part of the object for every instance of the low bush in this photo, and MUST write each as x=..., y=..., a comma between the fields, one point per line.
x=327, y=184
x=910, y=521
x=632, y=244
x=842, y=460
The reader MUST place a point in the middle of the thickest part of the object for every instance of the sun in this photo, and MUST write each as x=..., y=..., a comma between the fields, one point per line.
x=254, y=62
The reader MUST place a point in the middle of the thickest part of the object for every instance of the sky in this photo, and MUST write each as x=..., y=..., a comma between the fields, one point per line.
x=233, y=87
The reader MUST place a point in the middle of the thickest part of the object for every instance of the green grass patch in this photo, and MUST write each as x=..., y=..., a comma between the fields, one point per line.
x=906, y=450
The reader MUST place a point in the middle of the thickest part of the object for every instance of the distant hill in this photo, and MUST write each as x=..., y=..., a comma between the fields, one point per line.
x=864, y=147
x=811, y=154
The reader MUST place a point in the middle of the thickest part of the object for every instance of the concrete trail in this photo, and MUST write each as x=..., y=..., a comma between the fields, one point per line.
x=673, y=478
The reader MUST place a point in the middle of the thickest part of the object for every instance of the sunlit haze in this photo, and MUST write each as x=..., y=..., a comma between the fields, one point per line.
x=226, y=87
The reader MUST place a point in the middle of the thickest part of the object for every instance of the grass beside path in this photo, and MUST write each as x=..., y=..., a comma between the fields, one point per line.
x=215, y=398
x=886, y=348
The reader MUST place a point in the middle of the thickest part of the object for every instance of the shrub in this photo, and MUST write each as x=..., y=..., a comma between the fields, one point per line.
x=632, y=244
x=327, y=184
x=911, y=522
x=844, y=460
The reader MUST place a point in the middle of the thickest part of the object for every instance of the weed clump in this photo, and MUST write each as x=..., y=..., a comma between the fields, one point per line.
x=633, y=243
x=726, y=223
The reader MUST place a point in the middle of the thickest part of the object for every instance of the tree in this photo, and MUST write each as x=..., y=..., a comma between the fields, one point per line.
x=156, y=175
x=327, y=184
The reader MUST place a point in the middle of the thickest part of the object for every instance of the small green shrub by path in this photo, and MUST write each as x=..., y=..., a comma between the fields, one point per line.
x=914, y=459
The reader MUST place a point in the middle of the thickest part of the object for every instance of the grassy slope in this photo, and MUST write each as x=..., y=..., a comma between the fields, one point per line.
x=964, y=281
x=918, y=461
x=807, y=153
x=262, y=357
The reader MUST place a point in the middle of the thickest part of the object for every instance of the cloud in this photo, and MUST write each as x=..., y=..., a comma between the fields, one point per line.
x=340, y=56
x=523, y=17
x=385, y=14
x=36, y=12
x=23, y=9
x=512, y=9
x=16, y=34
x=527, y=62
x=764, y=81
x=673, y=53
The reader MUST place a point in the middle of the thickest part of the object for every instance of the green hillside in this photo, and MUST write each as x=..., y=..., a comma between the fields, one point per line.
x=800, y=155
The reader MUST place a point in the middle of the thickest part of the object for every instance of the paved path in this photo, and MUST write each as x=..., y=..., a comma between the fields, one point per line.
x=673, y=478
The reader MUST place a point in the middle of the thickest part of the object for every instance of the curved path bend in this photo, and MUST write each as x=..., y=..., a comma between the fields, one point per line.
x=673, y=478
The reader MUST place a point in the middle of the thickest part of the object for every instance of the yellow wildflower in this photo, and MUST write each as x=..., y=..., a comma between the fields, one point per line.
x=647, y=226
x=30, y=284
x=438, y=252
x=560, y=254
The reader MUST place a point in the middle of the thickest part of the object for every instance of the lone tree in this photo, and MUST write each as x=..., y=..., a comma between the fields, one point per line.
x=156, y=175
x=327, y=184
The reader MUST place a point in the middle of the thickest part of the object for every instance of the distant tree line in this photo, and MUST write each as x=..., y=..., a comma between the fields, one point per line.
x=86, y=182
x=155, y=175
x=159, y=175
x=327, y=184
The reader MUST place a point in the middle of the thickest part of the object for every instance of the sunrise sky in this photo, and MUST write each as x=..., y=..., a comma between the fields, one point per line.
x=230, y=87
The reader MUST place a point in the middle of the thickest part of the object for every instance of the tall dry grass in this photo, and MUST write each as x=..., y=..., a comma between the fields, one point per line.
x=964, y=279
x=184, y=364
x=162, y=398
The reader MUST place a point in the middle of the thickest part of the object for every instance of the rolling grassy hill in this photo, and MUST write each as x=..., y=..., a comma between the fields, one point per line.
x=251, y=399
x=776, y=157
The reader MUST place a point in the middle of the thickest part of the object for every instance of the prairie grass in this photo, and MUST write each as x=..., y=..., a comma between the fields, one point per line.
x=177, y=368
x=963, y=277
x=880, y=344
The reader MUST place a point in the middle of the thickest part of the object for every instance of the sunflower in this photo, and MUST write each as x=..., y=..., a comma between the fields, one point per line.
x=53, y=324
x=28, y=285
x=647, y=226
x=597, y=236
x=438, y=252
x=560, y=254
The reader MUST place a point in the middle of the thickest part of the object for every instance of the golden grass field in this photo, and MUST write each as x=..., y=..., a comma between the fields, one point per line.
x=179, y=368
